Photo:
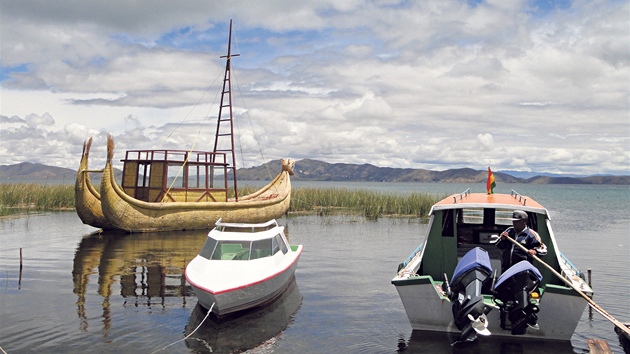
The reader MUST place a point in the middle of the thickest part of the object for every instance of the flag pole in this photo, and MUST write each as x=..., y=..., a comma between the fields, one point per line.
x=490, y=184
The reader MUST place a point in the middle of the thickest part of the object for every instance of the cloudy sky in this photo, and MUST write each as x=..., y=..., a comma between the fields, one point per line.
x=528, y=85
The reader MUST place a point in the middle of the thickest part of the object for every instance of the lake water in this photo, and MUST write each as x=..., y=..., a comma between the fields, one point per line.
x=80, y=291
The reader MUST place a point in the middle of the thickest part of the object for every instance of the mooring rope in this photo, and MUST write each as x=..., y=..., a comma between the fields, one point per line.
x=190, y=334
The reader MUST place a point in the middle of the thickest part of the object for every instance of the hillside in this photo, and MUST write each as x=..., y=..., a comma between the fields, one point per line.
x=28, y=172
x=314, y=170
x=34, y=173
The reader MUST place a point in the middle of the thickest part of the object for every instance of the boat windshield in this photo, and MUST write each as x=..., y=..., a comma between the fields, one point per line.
x=476, y=216
x=242, y=250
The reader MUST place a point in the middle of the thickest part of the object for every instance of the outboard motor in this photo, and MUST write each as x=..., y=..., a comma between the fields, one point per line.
x=512, y=290
x=469, y=310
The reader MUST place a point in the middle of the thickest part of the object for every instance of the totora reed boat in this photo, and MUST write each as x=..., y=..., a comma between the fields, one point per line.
x=170, y=190
x=450, y=282
x=86, y=198
x=242, y=266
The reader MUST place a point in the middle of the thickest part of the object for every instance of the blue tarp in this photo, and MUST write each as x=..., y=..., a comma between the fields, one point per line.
x=476, y=257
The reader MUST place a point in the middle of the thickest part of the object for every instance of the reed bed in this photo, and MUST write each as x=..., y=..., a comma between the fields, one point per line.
x=25, y=197
x=368, y=203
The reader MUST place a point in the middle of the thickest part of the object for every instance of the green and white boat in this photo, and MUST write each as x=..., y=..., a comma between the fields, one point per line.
x=543, y=301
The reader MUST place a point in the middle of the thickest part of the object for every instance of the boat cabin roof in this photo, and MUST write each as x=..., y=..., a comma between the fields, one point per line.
x=245, y=231
x=512, y=201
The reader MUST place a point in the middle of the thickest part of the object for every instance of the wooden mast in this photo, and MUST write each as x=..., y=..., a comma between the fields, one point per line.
x=226, y=102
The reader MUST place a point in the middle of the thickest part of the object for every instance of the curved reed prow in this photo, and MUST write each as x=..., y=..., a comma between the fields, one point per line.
x=110, y=147
x=86, y=147
x=287, y=165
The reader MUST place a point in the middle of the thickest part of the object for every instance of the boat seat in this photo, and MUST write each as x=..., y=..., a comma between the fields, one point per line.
x=233, y=251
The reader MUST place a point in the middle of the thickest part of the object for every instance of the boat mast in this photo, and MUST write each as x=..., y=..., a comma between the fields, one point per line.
x=226, y=102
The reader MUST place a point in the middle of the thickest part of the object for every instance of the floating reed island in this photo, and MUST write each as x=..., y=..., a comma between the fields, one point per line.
x=28, y=197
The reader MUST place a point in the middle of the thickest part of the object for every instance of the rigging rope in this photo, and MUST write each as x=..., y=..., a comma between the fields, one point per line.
x=249, y=119
x=193, y=108
x=238, y=87
x=234, y=121
x=191, y=333
x=192, y=148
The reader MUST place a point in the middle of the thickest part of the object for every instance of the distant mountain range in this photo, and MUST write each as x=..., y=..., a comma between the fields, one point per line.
x=314, y=170
x=28, y=172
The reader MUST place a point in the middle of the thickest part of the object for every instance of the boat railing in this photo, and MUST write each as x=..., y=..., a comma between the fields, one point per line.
x=177, y=157
x=412, y=255
x=243, y=227
x=461, y=195
x=521, y=199
x=571, y=273
x=570, y=265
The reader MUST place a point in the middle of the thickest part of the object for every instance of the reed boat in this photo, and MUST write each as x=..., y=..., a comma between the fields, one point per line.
x=164, y=208
x=87, y=199
x=242, y=266
x=170, y=190
x=452, y=282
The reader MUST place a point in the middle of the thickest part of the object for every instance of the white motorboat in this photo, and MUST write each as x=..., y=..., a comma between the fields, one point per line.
x=527, y=300
x=242, y=266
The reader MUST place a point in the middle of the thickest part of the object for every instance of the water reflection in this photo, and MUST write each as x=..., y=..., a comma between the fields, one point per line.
x=148, y=268
x=434, y=342
x=244, y=330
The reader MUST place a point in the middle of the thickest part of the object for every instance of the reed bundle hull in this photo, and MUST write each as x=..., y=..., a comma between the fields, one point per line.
x=87, y=199
x=132, y=215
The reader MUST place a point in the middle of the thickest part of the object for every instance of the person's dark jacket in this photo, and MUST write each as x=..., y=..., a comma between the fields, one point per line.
x=513, y=254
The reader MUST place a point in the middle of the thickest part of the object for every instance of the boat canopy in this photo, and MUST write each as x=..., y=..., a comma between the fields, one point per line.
x=244, y=241
x=508, y=202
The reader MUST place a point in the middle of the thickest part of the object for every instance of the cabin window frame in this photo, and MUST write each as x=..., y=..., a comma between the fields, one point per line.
x=204, y=250
x=264, y=250
x=283, y=246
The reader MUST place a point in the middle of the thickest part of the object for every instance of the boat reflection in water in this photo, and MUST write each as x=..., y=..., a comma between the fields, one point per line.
x=149, y=268
x=242, y=330
x=442, y=342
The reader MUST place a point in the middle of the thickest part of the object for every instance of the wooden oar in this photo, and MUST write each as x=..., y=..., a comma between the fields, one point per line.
x=590, y=301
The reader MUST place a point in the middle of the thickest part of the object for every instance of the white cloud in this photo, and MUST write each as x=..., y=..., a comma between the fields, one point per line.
x=424, y=84
x=33, y=120
x=486, y=141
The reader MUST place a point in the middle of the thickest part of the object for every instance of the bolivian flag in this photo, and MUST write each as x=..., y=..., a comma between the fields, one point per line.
x=491, y=183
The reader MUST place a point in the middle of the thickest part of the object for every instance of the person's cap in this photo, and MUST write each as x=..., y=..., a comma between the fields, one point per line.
x=519, y=215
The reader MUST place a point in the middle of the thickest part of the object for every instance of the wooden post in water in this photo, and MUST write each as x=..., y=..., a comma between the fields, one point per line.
x=20, y=279
x=590, y=309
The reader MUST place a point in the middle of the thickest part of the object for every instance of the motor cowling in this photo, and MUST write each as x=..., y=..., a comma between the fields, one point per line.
x=470, y=276
x=513, y=290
